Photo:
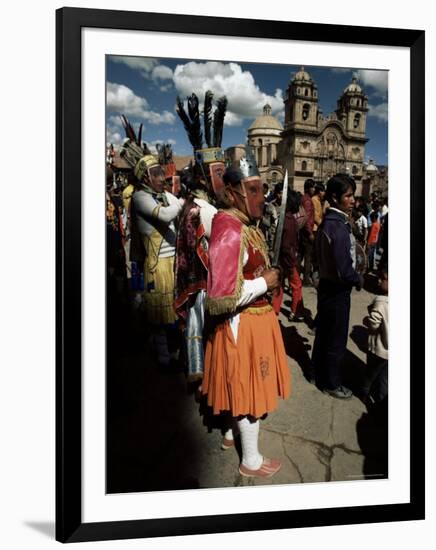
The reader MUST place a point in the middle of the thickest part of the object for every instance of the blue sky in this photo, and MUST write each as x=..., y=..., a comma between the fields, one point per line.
x=145, y=90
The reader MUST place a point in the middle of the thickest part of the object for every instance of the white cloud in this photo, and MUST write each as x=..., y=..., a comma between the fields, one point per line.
x=379, y=111
x=120, y=98
x=377, y=80
x=115, y=121
x=163, y=77
x=232, y=119
x=159, y=118
x=245, y=98
x=143, y=64
x=114, y=131
x=113, y=137
x=123, y=100
x=162, y=72
x=281, y=115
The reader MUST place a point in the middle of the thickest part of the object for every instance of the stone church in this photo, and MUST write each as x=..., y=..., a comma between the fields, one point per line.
x=311, y=145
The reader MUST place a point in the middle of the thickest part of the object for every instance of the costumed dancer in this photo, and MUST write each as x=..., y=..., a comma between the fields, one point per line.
x=154, y=211
x=165, y=155
x=245, y=368
x=116, y=258
x=192, y=257
x=133, y=242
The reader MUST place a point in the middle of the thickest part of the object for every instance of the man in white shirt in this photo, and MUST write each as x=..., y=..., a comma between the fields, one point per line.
x=361, y=224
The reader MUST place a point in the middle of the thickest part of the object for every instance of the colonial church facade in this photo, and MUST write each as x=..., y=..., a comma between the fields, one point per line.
x=310, y=145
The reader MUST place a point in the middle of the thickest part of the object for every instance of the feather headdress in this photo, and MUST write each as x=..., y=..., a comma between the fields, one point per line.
x=207, y=117
x=135, y=152
x=218, y=121
x=191, y=120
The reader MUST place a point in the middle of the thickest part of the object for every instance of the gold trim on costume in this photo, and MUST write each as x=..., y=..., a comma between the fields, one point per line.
x=250, y=235
x=257, y=310
x=155, y=212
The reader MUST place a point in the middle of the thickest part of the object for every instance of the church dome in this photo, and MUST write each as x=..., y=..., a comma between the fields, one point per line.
x=302, y=75
x=266, y=121
x=353, y=87
x=371, y=168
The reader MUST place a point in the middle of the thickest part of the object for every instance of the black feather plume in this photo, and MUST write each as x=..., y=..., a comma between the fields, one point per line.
x=218, y=120
x=191, y=122
x=180, y=109
x=207, y=120
x=194, y=114
x=130, y=132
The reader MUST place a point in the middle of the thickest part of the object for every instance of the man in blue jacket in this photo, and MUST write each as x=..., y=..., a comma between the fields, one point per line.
x=335, y=248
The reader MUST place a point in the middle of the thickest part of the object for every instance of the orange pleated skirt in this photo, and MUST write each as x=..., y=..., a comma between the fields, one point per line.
x=247, y=377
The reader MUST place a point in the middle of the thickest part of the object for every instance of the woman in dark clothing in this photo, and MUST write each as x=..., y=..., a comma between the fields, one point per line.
x=335, y=246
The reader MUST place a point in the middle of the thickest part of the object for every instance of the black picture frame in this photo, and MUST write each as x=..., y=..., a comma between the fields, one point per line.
x=69, y=525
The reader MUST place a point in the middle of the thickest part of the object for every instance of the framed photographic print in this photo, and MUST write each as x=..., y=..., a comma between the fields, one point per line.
x=152, y=110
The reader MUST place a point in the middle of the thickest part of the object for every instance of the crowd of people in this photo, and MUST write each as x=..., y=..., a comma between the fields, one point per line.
x=192, y=252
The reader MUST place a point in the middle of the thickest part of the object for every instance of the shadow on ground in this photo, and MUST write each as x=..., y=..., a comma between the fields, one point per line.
x=150, y=444
x=372, y=435
x=359, y=335
x=297, y=347
x=353, y=372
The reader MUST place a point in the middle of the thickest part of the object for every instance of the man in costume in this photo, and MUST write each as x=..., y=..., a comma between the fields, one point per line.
x=154, y=211
x=246, y=368
x=165, y=156
x=195, y=224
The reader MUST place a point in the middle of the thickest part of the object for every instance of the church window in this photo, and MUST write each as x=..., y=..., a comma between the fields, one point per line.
x=306, y=109
x=354, y=170
x=274, y=177
x=356, y=121
x=304, y=165
x=259, y=157
x=306, y=92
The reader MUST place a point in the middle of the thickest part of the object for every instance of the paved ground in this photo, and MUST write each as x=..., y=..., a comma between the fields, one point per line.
x=160, y=438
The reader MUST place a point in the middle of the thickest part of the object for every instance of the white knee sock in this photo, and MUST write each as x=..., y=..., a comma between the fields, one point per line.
x=230, y=427
x=251, y=458
x=228, y=434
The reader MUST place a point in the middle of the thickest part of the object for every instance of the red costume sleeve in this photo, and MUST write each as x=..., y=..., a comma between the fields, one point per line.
x=225, y=279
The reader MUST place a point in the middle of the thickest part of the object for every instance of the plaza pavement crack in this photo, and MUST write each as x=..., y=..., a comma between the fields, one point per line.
x=294, y=464
x=323, y=453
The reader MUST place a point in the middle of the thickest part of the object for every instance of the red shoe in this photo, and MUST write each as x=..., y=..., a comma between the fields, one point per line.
x=269, y=467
